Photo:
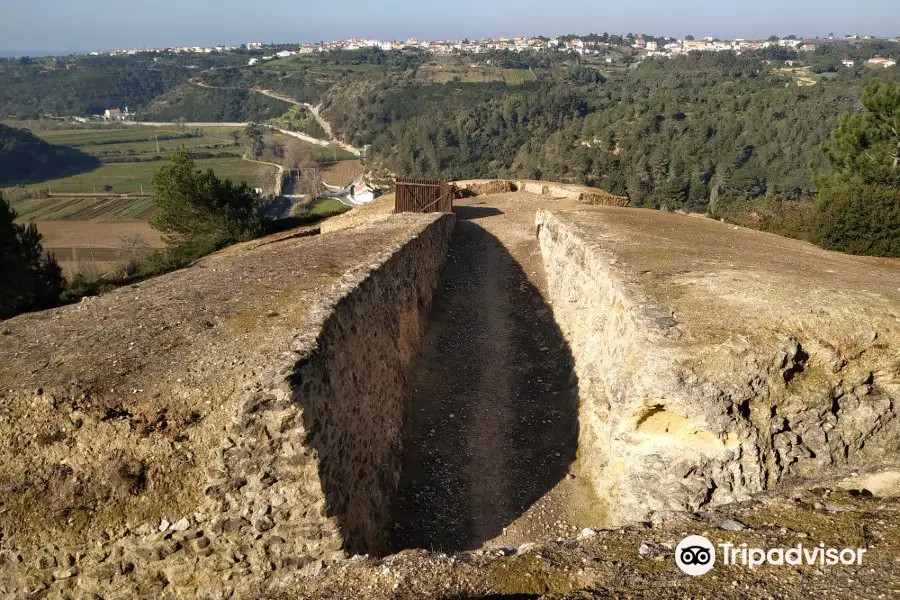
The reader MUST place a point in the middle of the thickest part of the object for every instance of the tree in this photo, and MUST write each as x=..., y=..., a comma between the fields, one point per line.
x=253, y=139
x=858, y=206
x=298, y=155
x=134, y=249
x=31, y=280
x=197, y=208
x=866, y=146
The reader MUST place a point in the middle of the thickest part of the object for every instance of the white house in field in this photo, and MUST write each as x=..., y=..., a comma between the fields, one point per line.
x=362, y=193
x=114, y=114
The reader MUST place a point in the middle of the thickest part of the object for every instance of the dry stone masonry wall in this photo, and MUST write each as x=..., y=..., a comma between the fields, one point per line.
x=710, y=367
x=547, y=189
x=273, y=429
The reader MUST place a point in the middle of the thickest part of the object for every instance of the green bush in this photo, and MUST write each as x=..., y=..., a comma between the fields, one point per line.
x=858, y=218
x=790, y=218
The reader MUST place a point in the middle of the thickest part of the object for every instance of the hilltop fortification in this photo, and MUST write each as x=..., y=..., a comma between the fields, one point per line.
x=547, y=363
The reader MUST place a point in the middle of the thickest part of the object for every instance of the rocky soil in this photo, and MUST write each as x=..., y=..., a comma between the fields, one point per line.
x=637, y=561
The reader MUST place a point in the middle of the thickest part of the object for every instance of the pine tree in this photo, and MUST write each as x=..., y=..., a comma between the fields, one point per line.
x=198, y=208
x=866, y=147
x=30, y=279
x=858, y=206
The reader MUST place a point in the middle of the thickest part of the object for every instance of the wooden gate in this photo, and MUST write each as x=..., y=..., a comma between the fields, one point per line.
x=423, y=196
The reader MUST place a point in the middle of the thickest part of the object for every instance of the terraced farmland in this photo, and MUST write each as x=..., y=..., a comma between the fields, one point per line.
x=66, y=208
x=343, y=172
x=83, y=217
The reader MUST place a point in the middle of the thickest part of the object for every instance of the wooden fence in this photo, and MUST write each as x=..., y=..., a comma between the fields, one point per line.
x=423, y=195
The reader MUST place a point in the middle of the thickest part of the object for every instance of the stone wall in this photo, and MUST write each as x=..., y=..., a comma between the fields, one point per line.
x=706, y=375
x=379, y=209
x=191, y=435
x=568, y=191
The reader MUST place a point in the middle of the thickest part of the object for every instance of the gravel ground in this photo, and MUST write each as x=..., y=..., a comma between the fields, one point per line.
x=637, y=562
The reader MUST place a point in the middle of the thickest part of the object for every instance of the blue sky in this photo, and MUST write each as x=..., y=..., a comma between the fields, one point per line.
x=83, y=25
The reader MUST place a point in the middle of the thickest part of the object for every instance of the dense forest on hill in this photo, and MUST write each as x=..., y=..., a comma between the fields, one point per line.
x=85, y=85
x=38, y=88
x=26, y=158
x=676, y=133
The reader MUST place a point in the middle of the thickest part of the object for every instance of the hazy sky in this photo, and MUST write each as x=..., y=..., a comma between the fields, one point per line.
x=83, y=25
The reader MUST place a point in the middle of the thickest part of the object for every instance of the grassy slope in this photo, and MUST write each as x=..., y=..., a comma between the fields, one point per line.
x=130, y=178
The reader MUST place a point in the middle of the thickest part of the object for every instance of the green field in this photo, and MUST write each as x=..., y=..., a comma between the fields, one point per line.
x=309, y=64
x=326, y=207
x=133, y=178
x=147, y=147
x=140, y=141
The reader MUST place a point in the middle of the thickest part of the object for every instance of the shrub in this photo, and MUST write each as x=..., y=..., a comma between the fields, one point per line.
x=858, y=218
x=789, y=218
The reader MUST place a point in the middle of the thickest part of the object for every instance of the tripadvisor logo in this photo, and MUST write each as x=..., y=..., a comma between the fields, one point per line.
x=695, y=555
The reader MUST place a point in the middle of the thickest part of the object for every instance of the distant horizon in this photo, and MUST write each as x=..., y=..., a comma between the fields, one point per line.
x=42, y=53
x=91, y=25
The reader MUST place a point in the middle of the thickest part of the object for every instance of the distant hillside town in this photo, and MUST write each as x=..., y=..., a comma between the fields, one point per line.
x=592, y=44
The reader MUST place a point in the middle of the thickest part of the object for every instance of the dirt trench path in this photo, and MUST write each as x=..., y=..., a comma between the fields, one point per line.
x=493, y=425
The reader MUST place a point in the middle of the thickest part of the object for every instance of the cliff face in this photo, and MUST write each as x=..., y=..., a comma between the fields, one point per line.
x=205, y=428
x=714, y=362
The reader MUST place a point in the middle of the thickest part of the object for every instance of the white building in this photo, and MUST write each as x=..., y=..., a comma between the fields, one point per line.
x=881, y=61
x=362, y=193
